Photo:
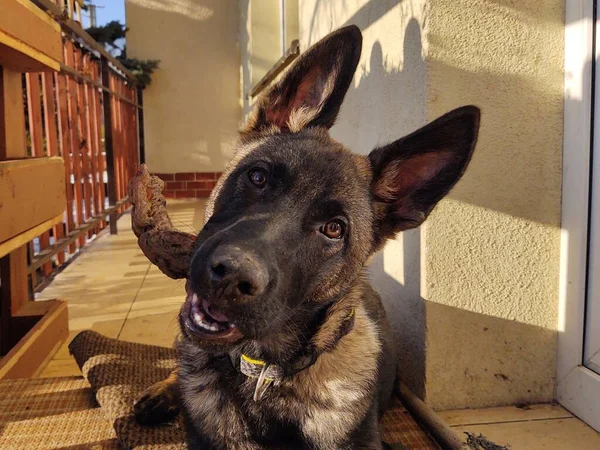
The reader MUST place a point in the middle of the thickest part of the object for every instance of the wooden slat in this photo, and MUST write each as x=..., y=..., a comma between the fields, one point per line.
x=65, y=148
x=12, y=116
x=30, y=253
x=23, y=238
x=123, y=143
x=122, y=140
x=117, y=143
x=27, y=23
x=90, y=139
x=49, y=102
x=30, y=41
x=97, y=143
x=51, y=140
x=84, y=143
x=52, y=145
x=34, y=112
x=34, y=202
x=33, y=350
x=75, y=141
x=107, y=110
x=45, y=243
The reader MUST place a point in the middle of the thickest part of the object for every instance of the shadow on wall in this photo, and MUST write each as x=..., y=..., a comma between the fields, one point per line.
x=366, y=16
x=377, y=85
x=498, y=343
x=192, y=107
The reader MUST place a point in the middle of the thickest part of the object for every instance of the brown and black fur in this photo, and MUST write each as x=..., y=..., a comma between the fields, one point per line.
x=300, y=284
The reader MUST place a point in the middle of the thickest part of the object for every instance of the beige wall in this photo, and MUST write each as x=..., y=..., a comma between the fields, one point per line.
x=291, y=22
x=265, y=30
x=492, y=258
x=473, y=293
x=192, y=108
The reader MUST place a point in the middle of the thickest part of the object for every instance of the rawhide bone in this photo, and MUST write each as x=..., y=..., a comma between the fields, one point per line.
x=169, y=249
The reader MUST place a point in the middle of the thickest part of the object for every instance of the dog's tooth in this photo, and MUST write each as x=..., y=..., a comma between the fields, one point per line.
x=198, y=318
x=195, y=299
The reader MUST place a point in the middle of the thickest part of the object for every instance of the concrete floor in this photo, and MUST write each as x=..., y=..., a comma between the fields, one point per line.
x=113, y=289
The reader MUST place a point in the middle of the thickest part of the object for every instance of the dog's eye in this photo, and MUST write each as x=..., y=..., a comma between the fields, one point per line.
x=258, y=177
x=334, y=229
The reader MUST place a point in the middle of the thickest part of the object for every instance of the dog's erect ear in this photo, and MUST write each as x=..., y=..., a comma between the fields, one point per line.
x=412, y=174
x=311, y=92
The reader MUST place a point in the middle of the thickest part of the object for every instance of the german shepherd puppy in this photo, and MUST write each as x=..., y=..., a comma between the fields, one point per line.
x=284, y=343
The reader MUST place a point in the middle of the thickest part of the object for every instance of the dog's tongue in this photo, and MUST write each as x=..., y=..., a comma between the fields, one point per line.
x=216, y=315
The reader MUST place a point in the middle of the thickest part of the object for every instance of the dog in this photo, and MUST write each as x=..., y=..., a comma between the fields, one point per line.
x=284, y=343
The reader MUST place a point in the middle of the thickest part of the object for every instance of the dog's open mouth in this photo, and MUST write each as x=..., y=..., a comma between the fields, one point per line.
x=204, y=321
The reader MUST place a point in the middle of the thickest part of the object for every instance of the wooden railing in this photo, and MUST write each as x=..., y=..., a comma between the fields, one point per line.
x=88, y=114
x=70, y=140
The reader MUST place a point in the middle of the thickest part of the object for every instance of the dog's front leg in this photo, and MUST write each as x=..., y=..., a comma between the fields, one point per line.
x=159, y=403
x=367, y=436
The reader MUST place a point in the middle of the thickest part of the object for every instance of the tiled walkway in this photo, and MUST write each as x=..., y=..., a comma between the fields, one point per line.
x=534, y=427
x=113, y=289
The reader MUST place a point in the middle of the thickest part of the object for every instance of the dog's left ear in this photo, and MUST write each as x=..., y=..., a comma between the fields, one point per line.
x=312, y=91
x=412, y=174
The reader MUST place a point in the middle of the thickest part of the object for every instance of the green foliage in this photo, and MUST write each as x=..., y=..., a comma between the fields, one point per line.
x=142, y=69
x=109, y=33
x=114, y=31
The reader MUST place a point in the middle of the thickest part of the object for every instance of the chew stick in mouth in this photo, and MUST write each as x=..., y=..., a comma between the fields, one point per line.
x=169, y=249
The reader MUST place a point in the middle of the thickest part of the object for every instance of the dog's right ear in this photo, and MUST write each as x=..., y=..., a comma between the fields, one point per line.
x=311, y=92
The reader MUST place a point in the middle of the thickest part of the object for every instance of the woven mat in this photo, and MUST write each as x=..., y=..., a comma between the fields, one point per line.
x=52, y=413
x=119, y=371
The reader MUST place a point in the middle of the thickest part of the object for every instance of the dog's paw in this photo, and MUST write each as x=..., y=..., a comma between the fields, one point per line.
x=156, y=405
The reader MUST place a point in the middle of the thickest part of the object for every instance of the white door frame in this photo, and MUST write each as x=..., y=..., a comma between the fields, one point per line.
x=578, y=388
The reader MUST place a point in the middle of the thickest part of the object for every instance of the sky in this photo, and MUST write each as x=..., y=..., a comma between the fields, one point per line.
x=108, y=10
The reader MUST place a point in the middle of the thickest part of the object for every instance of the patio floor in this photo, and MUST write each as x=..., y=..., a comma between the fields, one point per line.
x=113, y=289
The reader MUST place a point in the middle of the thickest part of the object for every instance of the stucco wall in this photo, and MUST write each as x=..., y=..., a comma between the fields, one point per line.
x=473, y=293
x=492, y=259
x=266, y=37
x=192, y=108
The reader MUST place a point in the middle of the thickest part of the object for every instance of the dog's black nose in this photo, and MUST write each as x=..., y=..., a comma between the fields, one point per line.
x=239, y=272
